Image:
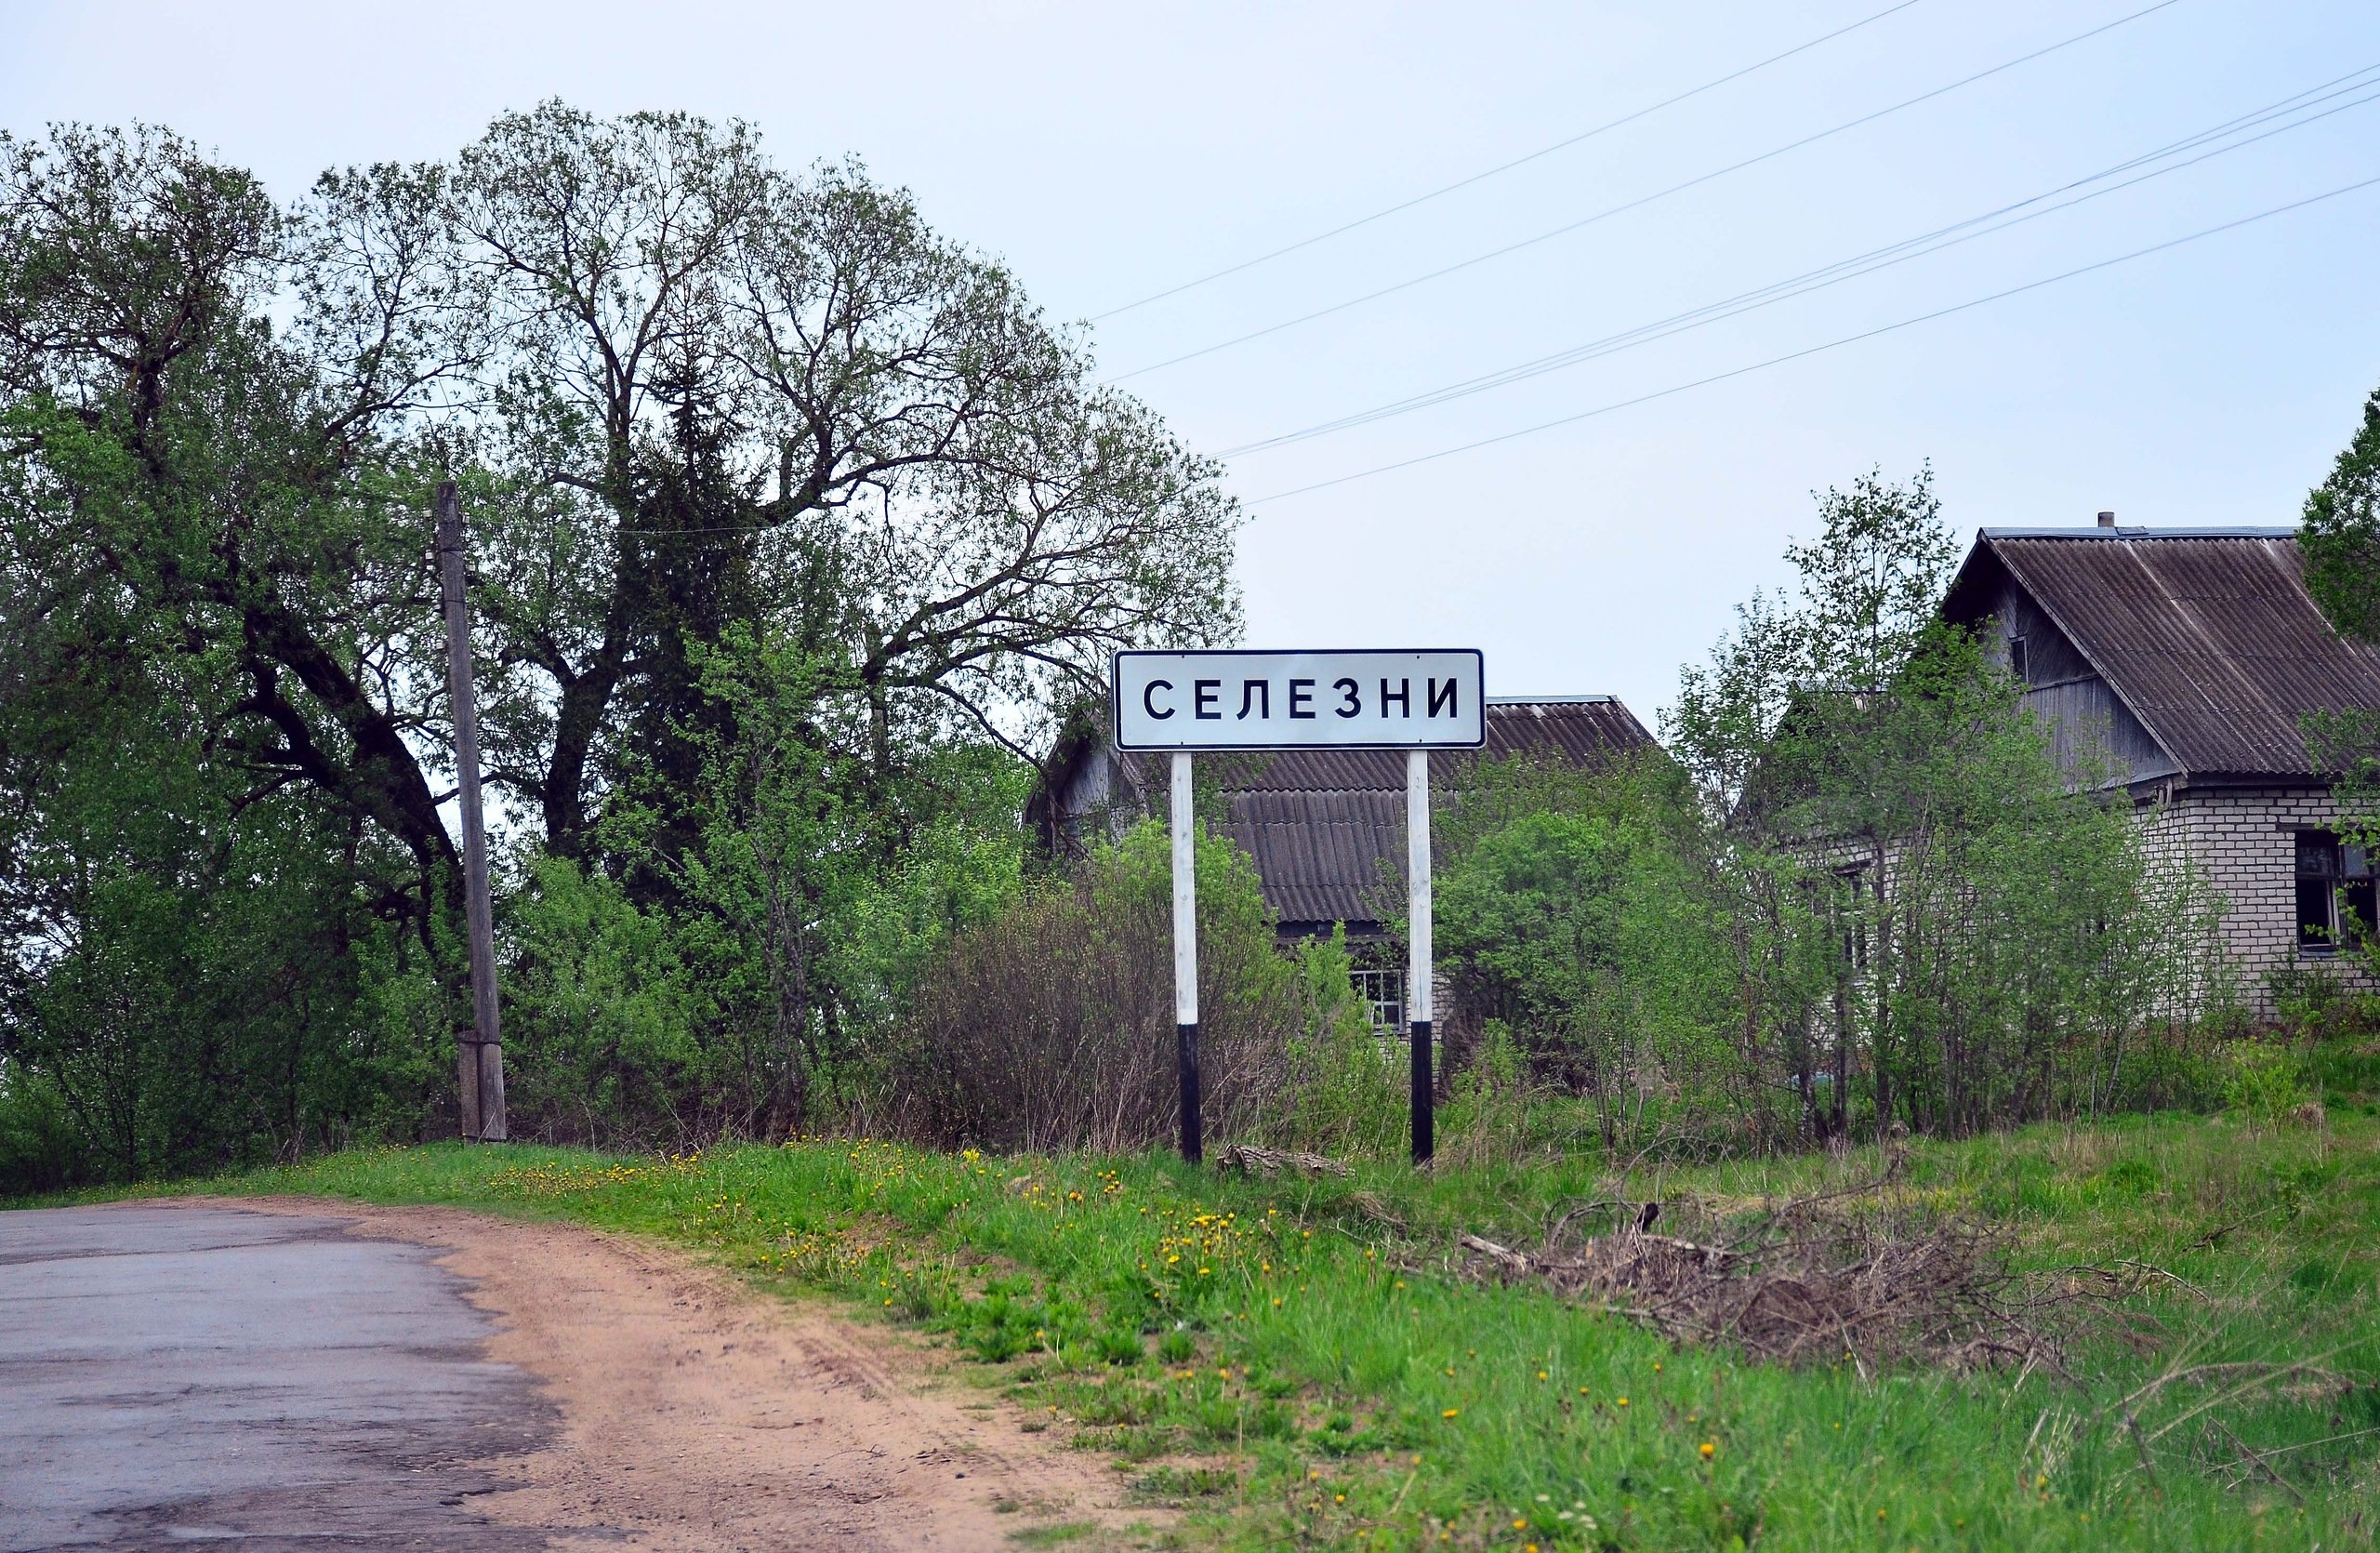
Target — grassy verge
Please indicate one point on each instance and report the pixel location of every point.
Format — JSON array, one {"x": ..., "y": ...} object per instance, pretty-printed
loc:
[{"x": 1298, "y": 1362}]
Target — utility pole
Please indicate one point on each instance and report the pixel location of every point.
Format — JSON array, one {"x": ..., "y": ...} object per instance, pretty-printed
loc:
[{"x": 480, "y": 1053}]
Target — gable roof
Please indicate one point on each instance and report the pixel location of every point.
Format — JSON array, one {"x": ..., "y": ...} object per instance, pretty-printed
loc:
[{"x": 2207, "y": 635}]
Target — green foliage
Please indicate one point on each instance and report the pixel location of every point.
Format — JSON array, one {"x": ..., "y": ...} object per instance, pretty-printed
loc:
[
  {"x": 1575, "y": 918},
  {"x": 604, "y": 1035},
  {"x": 763, "y": 944},
  {"x": 1343, "y": 1090},
  {"x": 759, "y": 631},
  {"x": 2340, "y": 540},
  {"x": 1866, "y": 894},
  {"x": 1310, "y": 1413},
  {"x": 2340, "y": 535},
  {"x": 2262, "y": 1081}
]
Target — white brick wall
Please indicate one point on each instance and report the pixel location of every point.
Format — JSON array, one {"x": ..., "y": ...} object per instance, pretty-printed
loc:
[{"x": 2237, "y": 838}]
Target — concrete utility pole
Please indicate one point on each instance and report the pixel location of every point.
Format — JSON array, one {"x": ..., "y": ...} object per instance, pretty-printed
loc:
[{"x": 480, "y": 1053}]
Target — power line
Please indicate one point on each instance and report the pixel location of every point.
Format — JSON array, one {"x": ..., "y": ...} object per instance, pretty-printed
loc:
[
  {"x": 1640, "y": 202},
  {"x": 1815, "y": 350},
  {"x": 1991, "y": 221},
  {"x": 1500, "y": 168}
]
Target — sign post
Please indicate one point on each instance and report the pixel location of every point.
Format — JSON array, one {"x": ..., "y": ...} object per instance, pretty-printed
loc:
[
  {"x": 1185, "y": 957},
  {"x": 1417, "y": 894},
  {"x": 1181, "y": 702}
]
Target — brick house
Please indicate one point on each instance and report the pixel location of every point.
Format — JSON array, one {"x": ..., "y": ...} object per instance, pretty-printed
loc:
[{"x": 2177, "y": 663}]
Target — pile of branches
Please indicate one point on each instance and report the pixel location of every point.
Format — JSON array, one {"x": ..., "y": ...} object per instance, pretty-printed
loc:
[{"x": 1851, "y": 1276}]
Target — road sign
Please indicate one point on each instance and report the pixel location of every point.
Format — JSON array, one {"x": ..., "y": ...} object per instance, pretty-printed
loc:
[
  {"x": 1299, "y": 701},
  {"x": 1182, "y": 702}
]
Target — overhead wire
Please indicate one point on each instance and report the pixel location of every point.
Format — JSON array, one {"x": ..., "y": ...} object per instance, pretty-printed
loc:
[
  {"x": 1815, "y": 350},
  {"x": 1639, "y": 202},
  {"x": 2365, "y": 81},
  {"x": 1501, "y": 167}
]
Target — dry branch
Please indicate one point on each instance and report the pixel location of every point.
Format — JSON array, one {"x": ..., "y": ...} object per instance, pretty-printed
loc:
[
  {"x": 1250, "y": 1161},
  {"x": 1844, "y": 1276}
]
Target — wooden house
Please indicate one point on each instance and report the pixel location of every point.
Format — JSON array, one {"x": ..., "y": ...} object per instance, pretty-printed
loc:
[{"x": 1326, "y": 828}]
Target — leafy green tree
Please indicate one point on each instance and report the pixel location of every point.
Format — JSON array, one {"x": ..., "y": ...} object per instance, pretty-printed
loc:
[
  {"x": 694, "y": 401},
  {"x": 1574, "y": 917},
  {"x": 1933, "y": 923},
  {"x": 2340, "y": 540},
  {"x": 718, "y": 392},
  {"x": 2340, "y": 535}
]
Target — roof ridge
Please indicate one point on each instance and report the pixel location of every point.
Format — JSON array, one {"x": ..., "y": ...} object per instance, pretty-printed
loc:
[{"x": 2206, "y": 531}]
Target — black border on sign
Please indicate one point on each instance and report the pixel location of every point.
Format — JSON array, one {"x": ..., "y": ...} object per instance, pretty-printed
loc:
[{"x": 1115, "y": 698}]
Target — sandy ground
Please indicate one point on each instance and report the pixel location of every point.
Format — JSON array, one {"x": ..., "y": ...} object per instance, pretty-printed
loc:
[{"x": 698, "y": 1414}]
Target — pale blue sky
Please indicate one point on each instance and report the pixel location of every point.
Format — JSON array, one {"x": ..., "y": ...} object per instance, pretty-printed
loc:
[{"x": 1109, "y": 151}]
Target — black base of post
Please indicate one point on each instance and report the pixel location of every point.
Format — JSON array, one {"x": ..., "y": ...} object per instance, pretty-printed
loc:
[
  {"x": 1193, "y": 1138},
  {"x": 1425, "y": 1126}
]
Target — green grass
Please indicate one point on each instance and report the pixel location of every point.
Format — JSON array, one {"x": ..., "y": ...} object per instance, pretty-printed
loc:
[{"x": 1297, "y": 1364}]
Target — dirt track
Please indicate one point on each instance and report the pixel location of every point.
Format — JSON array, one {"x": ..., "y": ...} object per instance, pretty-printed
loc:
[
  {"x": 699, "y": 1415},
  {"x": 695, "y": 1414}
]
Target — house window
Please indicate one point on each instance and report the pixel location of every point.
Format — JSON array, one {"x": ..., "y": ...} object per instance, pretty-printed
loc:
[
  {"x": 2017, "y": 664},
  {"x": 2334, "y": 891},
  {"x": 1384, "y": 993}
]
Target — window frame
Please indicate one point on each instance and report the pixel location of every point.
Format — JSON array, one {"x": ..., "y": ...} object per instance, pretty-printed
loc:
[{"x": 2339, "y": 875}]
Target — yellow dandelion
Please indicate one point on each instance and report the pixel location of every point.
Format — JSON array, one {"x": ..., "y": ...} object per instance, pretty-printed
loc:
[
  {"x": 1450, "y": 1412},
  {"x": 1708, "y": 1450}
]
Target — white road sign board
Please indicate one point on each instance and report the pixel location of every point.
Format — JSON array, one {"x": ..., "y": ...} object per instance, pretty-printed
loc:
[{"x": 1229, "y": 699}]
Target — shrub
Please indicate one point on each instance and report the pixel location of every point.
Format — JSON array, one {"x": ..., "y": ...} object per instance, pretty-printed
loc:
[
  {"x": 2263, "y": 1081},
  {"x": 1051, "y": 1026},
  {"x": 1344, "y": 1086}
]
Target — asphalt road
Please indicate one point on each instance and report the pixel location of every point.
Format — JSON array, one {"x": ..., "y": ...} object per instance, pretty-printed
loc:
[{"x": 172, "y": 1375}]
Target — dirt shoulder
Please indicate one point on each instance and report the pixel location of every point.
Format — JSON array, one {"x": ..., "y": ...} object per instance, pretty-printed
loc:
[{"x": 700, "y": 1415}]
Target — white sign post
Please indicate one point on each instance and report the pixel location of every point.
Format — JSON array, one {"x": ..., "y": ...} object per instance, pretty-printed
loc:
[{"x": 1180, "y": 702}]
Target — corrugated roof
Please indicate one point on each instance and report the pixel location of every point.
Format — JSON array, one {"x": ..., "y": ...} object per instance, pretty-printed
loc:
[
  {"x": 1327, "y": 827},
  {"x": 1578, "y": 730},
  {"x": 2209, "y": 637},
  {"x": 1320, "y": 853}
]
